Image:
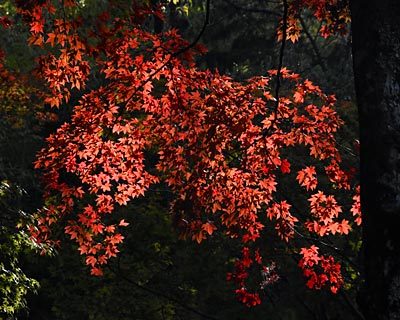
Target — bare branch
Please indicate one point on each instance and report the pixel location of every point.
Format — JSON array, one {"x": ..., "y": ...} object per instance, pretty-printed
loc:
[
  {"x": 280, "y": 64},
  {"x": 203, "y": 29},
  {"x": 255, "y": 10},
  {"x": 281, "y": 54},
  {"x": 317, "y": 53},
  {"x": 160, "y": 294},
  {"x": 352, "y": 306}
]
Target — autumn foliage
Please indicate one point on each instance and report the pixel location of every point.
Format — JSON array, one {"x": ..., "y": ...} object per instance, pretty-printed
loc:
[
  {"x": 332, "y": 15},
  {"x": 223, "y": 147}
]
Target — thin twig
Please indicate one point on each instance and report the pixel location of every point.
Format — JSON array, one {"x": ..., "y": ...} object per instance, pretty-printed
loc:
[
  {"x": 281, "y": 54},
  {"x": 161, "y": 294},
  {"x": 203, "y": 29},
  {"x": 177, "y": 53},
  {"x": 280, "y": 64},
  {"x": 352, "y": 306},
  {"x": 307, "y": 307},
  {"x": 331, "y": 246},
  {"x": 313, "y": 44},
  {"x": 255, "y": 10}
]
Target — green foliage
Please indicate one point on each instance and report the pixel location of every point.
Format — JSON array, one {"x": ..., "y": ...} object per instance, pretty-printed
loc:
[
  {"x": 18, "y": 142},
  {"x": 14, "y": 283},
  {"x": 7, "y": 7}
]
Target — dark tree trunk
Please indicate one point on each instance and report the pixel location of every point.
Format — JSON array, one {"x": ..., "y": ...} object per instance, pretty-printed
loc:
[{"x": 376, "y": 58}]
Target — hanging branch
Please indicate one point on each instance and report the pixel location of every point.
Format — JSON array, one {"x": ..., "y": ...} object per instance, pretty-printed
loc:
[
  {"x": 255, "y": 10},
  {"x": 357, "y": 313},
  {"x": 281, "y": 54},
  {"x": 160, "y": 294},
  {"x": 317, "y": 53},
  {"x": 280, "y": 64},
  {"x": 203, "y": 29},
  {"x": 177, "y": 53}
]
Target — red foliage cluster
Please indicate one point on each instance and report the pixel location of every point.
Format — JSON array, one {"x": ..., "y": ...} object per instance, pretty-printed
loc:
[
  {"x": 325, "y": 209},
  {"x": 356, "y": 208},
  {"x": 241, "y": 274},
  {"x": 222, "y": 146},
  {"x": 333, "y": 16},
  {"x": 65, "y": 68},
  {"x": 328, "y": 272}
]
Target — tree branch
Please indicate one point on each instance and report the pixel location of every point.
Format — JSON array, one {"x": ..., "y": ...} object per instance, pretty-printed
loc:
[
  {"x": 280, "y": 64},
  {"x": 255, "y": 10},
  {"x": 352, "y": 306},
  {"x": 281, "y": 54},
  {"x": 160, "y": 294},
  {"x": 177, "y": 53},
  {"x": 313, "y": 44},
  {"x": 203, "y": 29},
  {"x": 328, "y": 245}
]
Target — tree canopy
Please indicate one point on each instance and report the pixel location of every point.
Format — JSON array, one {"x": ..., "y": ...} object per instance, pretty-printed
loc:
[{"x": 130, "y": 119}]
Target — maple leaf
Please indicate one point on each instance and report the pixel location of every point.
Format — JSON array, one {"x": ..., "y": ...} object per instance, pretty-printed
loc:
[
  {"x": 285, "y": 166},
  {"x": 51, "y": 37},
  {"x": 96, "y": 271},
  {"x": 209, "y": 228},
  {"x": 91, "y": 260},
  {"x": 116, "y": 238},
  {"x": 97, "y": 228},
  {"x": 37, "y": 27},
  {"x": 298, "y": 97},
  {"x": 307, "y": 178},
  {"x": 122, "y": 223}
]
